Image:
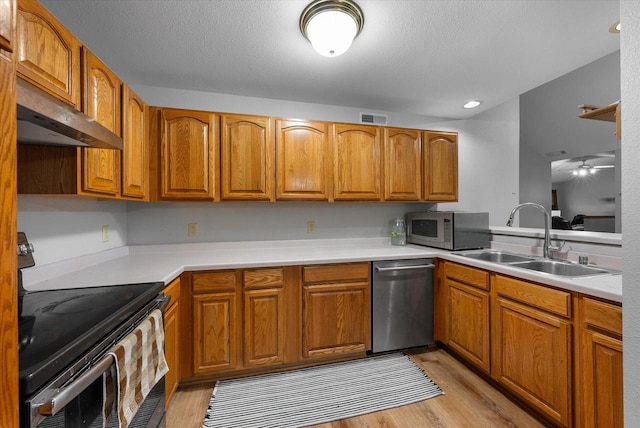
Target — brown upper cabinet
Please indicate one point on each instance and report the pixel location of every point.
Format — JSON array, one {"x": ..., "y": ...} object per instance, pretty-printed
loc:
[
  {"x": 440, "y": 166},
  {"x": 357, "y": 162},
  {"x": 101, "y": 100},
  {"x": 7, "y": 13},
  {"x": 135, "y": 146},
  {"x": 48, "y": 54},
  {"x": 303, "y": 160},
  {"x": 188, "y": 155},
  {"x": 402, "y": 164},
  {"x": 247, "y": 153}
]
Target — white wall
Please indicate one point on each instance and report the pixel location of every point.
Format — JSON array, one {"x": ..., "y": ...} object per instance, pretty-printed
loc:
[
  {"x": 550, "y": 123},
  {"x": 488, "y": 150},
  {"x": 630, "y": 64},
  {"x": 63, "y": 227},
  {"x": 535, "y": 185},
  {"x": 161, "y": 223},
  {"x": 593, "y": 195}
]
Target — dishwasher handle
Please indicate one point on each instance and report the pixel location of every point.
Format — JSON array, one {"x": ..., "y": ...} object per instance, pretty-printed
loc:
[{"x": 396, "y": 268}]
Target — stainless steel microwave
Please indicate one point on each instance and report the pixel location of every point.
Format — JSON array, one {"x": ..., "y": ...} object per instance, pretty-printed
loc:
[{"x": 450, "y": 230}]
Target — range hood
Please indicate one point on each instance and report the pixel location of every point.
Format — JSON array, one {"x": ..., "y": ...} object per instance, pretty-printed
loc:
[{"x": 44, "y": 119}]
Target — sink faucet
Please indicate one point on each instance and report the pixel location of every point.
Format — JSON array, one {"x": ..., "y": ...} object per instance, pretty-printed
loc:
[{"x": 547, "y": 248}]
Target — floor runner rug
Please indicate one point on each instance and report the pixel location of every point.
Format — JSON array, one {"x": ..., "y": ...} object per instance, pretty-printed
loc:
[{"x": 317, "y": 395}]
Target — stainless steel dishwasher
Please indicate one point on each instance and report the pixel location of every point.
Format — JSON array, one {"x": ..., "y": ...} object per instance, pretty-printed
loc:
[{"x": 402, "y": 304}]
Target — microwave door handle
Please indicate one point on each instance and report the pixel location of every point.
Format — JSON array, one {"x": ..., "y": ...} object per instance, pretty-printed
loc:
[{"x": 65, "y": 395}]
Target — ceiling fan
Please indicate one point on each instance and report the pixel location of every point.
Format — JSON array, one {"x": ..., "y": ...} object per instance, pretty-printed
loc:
[{"x": 584, "y": 169}]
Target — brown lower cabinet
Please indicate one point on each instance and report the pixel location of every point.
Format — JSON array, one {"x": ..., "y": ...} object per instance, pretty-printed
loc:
[
  {"x": 244, "y": 321},
  {"x": 336, "y": 310},
  {"x": 172, "y": 339},
  {"x": 559, "y": 352},
  {"x": 531, "y": 342},
  {"x": 600, "y": 398},
  {"x": 467, "y": 305}
]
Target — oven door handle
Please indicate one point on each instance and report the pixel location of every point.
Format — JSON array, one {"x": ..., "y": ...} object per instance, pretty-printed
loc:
[{"x": 65, "y": 395}]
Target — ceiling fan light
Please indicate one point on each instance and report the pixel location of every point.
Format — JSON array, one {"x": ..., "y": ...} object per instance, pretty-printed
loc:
[{"x": 331, "y": 25}]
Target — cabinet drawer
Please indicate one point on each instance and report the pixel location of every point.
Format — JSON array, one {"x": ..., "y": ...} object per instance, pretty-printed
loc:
[
  {"x": 173, "y": 290},
  {"x": 213, "y": 281},
  {"x": 336, "y": 273},
  {"x": 603, "y": 315},
  {"x": 468, "y": 275},
  {"x": 548, "y": 299},
  {"x": 262, "y": 278}
]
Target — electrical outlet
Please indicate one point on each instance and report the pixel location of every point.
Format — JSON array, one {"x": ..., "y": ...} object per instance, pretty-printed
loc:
[
  {"x": 192, "y": 230},
  {"x": 105, "y": 233},
  {"x": 311, "y": 227}
]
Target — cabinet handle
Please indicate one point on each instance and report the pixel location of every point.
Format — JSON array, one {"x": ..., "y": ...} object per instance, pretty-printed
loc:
[{"x": 381, "y": 269}]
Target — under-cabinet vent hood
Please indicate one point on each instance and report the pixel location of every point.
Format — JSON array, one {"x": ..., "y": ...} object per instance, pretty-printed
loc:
[{"x": 43, "y": 119}]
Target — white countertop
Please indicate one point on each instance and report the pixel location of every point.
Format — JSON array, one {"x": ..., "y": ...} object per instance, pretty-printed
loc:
[{"x": 152, "y": 263}]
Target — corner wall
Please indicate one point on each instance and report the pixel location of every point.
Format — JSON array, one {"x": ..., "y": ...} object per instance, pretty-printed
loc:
[{"x": 630, "y": 64}]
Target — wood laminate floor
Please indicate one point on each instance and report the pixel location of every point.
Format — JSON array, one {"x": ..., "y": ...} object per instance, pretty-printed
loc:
[{"x": 469, "y": 401}]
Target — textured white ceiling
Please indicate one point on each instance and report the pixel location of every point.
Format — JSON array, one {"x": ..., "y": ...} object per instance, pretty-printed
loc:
[{"x": 419, "y": 57}]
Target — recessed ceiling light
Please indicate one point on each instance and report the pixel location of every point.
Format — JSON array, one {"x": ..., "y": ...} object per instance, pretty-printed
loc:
[
  {"x": 615, "y": 28},
  {"x": 472, "y": 104}
]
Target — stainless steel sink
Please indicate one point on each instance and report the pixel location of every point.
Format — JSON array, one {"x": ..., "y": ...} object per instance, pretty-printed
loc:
[
  {"x": 551, "y": 267},
  {"x": 497, "y": 256},
  {"x": 562, "y": 268}
]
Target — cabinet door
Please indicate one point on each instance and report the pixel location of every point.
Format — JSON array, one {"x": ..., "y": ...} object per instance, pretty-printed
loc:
[
  {"x": 468, "y": 323},
  {"x": 9, "y": 396},
  {"x": 532, "y": 357},
  {"x": 264, "y": 317},
  {"x": 135, "y": 151},
  {"x": 7, "y": 14},
  {"x": 247, "y": 157},
  {"x": 602, "y": 377},
  {"x": 188, "y": 155},
  {"x": 440, "y": 166},
  {"x": 357, "y": 162},
  {"x": 215, "y": 332},
  {"x": 102, "y": 100},
  {"x": 303, "y": 160},
  {"x": 172, "y": 340},
  {"x": 402, "y": 164},
  {"x": 264, "y": 329},
  {"x": 336, "y": 319},
  {"x": 48, "y": 55},
  {"x": 171, "y": 349}
]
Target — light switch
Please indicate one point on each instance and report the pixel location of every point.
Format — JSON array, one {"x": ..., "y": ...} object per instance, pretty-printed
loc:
[{"x": 192, "y": 230}]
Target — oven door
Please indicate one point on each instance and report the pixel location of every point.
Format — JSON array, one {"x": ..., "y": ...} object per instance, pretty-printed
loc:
[
  {"x": 85, "y": 410},
  {"x": 75, "y": 397}
]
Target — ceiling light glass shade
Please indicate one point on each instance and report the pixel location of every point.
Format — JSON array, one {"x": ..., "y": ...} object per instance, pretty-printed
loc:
[{"x": 331, "y": 25}]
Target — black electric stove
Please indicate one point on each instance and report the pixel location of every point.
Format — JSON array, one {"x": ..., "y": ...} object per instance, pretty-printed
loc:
[{"x": 58, "y": 327}]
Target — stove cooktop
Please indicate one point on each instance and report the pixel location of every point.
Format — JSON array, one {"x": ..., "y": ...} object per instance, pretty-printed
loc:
[{"x": 58, "y": 327}]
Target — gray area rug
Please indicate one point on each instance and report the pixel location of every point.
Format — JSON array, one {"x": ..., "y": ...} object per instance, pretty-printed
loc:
[{"x": 321, "y": 394}]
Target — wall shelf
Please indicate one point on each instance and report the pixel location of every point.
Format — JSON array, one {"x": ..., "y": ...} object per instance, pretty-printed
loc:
[{"x": 610, "y": 113}]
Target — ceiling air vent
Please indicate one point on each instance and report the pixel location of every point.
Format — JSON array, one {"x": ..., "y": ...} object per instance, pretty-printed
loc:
[{"x": 374, "y": 119}]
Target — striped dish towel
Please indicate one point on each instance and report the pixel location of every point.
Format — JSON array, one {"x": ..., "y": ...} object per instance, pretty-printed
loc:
[{"x": 140, "y": 364}]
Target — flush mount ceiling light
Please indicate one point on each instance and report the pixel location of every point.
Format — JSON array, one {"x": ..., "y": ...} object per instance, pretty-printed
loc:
[
  {"x": 472, "y": 104},
  {"x": 331, "y": 25}
]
